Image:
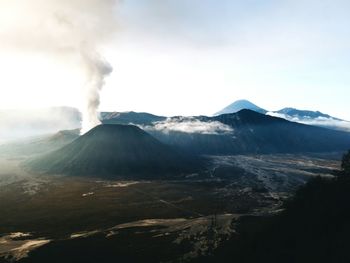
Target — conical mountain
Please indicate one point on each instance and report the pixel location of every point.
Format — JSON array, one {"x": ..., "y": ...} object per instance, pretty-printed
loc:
[
  {"x": 241, "y": 105},
  {"x": 114, "y": 151}
]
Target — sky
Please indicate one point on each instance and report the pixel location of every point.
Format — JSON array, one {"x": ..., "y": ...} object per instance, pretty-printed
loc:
[{"x": 178, "y": 57}]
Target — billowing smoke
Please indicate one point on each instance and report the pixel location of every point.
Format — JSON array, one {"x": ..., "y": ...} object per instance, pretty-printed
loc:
[
  {"x": 73, "y": 30},
  {"x": 97, "y": 68}
]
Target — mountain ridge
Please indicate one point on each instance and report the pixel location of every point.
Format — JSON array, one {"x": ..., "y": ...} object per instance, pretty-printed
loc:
[
  {"x": 255, "y": 133},
  {"x": 314, "y": 118}
]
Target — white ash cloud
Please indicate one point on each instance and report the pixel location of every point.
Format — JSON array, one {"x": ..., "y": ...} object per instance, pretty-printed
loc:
[
  {"x": 96, "y": 69},
  {"x": 72, "y": 30},
  {"x": 190, "y": 125}
]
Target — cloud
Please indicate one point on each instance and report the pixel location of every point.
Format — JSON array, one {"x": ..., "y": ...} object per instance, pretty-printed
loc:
[
  {"x": 319, "y": 121},
  {"x": 17, "y": 124},
  {"x": 189, "y": 125},
  {"x": 55, "y": 25}
]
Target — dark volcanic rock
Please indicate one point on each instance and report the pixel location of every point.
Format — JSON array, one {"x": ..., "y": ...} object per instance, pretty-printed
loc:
[
  {"x": 253, "y": 132},
  {"x": 114, "y": 151}
]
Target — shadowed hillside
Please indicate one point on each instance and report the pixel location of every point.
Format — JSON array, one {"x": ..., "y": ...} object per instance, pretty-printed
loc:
[
  {"x": 253, "y": 132},
  {"x": 313, "y": 227},
  {"x": 245, "y": 132},
  {"x": 114, "y": 150}
]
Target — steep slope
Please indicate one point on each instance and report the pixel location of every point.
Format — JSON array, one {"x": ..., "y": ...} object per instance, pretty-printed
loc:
[
  {"x": 241, "y": 105},
  {"x": 313, "y": 227},
  {"x": 111, "y": 151},
  {"x": 270, "y": 134},
  {"x": 257, "y": 133}
]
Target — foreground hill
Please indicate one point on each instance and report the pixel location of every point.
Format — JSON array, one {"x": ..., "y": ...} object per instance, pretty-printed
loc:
[
  {"x": 112, "y": 151},
  {"x": 313, "y": 227}
]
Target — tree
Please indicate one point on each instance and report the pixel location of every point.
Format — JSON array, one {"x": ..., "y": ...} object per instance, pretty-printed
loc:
[{"x": 345, "y": 165}]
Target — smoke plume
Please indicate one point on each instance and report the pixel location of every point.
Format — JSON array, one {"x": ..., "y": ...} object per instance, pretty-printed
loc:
[
  {"x": 97, "y": 68},
  {"x": 73, "y": 30}
]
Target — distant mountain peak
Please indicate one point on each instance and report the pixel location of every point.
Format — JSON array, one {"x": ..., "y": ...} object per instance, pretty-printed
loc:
[
  {"x": 305, "y": 113},
  {"x": 241, "y": 105},
  {"x": 315, "y": 118}
]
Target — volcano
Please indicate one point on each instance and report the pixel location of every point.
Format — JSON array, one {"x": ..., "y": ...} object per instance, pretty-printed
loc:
[
  {"x": 241, "y": 105},
  {"x": 114, "y": 151}
]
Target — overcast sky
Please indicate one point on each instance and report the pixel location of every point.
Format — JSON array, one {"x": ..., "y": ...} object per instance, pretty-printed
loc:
[{"x": 181, "y": 57}]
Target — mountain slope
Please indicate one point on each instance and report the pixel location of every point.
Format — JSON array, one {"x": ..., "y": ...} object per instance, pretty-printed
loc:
[
  {"x": 305, "y": 113},
  {"x": 240, "y": 105},
  {"x": 111, "y": 151},
  {"x": 39, "y": 144},
  {"x": 314, "y": 118},
  {"x": 253, "y": 132}
]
